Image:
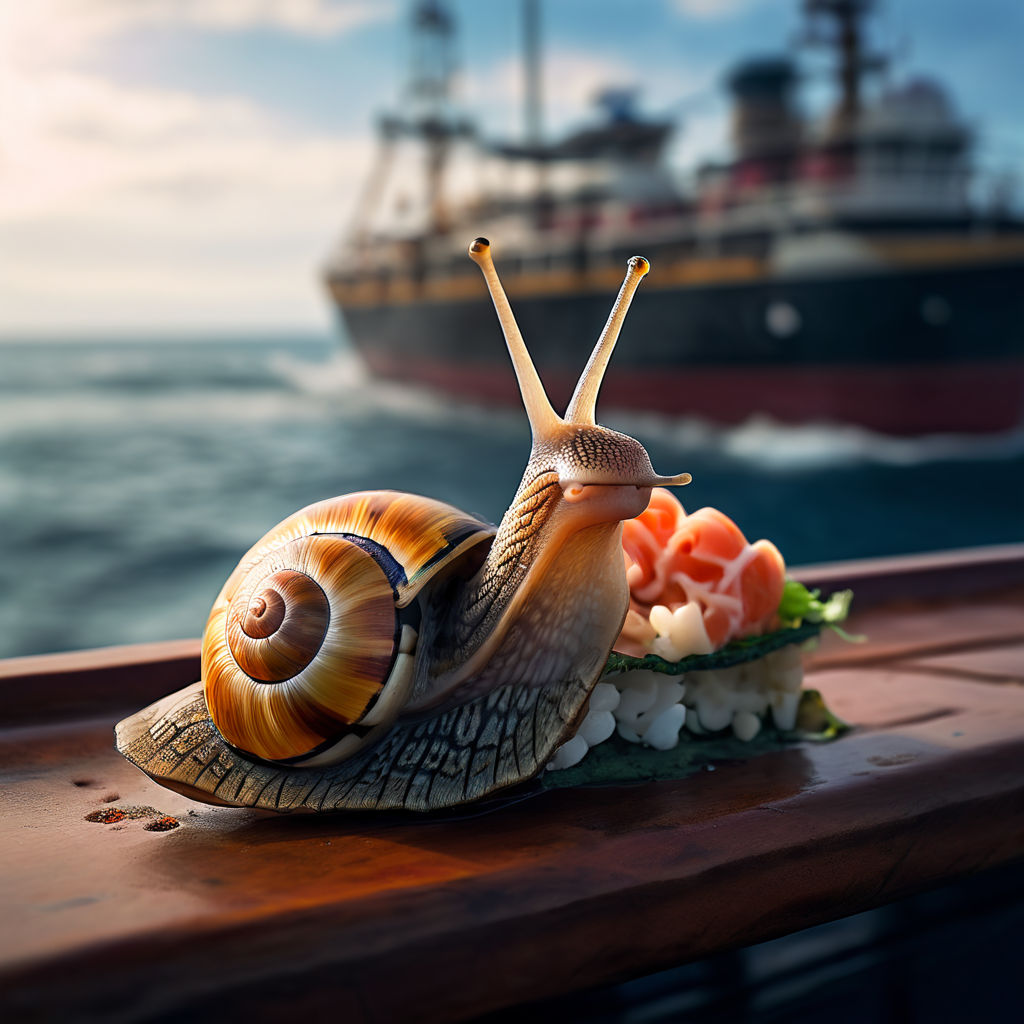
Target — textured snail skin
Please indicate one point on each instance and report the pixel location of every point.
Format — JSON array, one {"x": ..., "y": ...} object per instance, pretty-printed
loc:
[
  {"x": 515, "y": 626},
  {"x": 441, "y": 761}
]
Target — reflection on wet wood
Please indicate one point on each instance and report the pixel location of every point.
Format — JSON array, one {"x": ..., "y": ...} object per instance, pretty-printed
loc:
[{"x": 377, "y": 918}]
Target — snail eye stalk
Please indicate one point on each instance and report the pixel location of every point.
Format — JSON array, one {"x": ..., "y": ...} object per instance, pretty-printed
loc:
[
  {"x": 583, "y": 405},
  {"x": 544, "y": 421}
]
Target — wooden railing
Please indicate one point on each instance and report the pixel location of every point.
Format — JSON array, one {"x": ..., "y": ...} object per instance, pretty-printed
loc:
[{"x": 238, "y": 913}]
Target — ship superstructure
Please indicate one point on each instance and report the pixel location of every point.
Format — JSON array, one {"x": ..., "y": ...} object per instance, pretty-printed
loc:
[{"x": 836, "y": 268}]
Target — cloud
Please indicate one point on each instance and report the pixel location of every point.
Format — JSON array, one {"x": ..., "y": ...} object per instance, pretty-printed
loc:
[
  {"x": 304, "y": 17},
  {"x": 174, "y": 210},
  {"x": 142, "y": 206},
  {"x": 712, "y": 10},
  {"x": 46, "y": 32},
  {"x": 154, "y": 206},
  {"x": 572, "y": 80}
]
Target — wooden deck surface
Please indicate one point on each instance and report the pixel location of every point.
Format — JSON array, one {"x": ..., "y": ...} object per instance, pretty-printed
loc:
[{"x": 239, "y": 912}]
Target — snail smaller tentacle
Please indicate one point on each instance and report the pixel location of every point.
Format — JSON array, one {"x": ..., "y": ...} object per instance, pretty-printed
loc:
[{"x": 582, "y": 408}]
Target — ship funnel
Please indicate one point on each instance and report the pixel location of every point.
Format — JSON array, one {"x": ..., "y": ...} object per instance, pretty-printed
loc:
[
  {"x": 544, "y": 421},
  {"x": 583, "y": 405}
]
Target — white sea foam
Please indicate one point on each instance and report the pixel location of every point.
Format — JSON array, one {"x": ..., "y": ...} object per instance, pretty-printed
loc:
[
  {"x": 43, "y": 414},
  {"x": 323, "y": 392},
  {"x": 344, "y": 377},
  {"x": 774, "y": 445},
  {"x": 315, "y": 380},
  {"x": 341, "y": 373}
]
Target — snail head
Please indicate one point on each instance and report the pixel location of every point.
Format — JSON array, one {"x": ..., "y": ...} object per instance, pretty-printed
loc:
[{"x": 604, "y": 474}]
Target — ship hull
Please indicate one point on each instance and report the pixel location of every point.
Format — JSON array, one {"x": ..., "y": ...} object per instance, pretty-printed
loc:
[{"x": 905, "y": 353}]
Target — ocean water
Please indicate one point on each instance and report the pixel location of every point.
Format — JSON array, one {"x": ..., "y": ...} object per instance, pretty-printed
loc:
[{"x": 134, "y": 474}]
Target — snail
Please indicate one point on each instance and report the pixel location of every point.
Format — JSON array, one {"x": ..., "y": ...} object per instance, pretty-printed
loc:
[{"x": 382, "y": 650}]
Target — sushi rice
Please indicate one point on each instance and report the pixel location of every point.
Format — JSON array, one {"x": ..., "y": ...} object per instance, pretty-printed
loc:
[{"x": 660, "y": 710}]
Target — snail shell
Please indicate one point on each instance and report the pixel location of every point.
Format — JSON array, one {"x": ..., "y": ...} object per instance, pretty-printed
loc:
[{"x": 311, "y": 639}]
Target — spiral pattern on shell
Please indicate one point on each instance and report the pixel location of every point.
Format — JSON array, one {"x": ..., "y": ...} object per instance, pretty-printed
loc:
[
  {"x": 304, "y": 645},
  {"x": 302, "y": 638},
  {"x": 275, "y": 631}
]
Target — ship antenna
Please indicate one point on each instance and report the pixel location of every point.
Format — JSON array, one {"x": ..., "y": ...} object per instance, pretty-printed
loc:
[
  {"x": 583, "y": 405},
  {"x": 543, "y": 419}
]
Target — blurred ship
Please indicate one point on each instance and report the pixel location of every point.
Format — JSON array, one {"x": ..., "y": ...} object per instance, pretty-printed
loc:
[{"x": 834, "y": 269}]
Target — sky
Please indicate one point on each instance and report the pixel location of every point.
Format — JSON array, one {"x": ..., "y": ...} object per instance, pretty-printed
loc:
[{"x": 185, "y": 166}]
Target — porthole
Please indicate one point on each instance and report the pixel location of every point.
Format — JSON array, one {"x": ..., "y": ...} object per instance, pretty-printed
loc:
[{"x": 782, "y": 319}]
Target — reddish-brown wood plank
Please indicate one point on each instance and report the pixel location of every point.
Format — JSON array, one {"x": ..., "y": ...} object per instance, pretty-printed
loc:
[
  {"x": 87, "y": 682},
  {"x": 238, "y": 912},
  {"x": 1003, "y": 664},
  {"x": 574, "y": 888},
  {"x": 918, "y": 628},
  {"x": 930, "y": 575}
]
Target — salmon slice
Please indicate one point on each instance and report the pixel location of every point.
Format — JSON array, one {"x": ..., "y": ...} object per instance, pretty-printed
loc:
[{"x": 673, "y": 558}]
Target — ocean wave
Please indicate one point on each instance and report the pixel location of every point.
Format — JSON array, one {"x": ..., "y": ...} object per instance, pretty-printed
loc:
[
  {"x": 761, "y": 440},
  {"x": 47, "y": 415},
  {"x": 345, "y": 377},
  {"x": 341, "y": 373},
  {"x": 129, "y": 388},
  {"x": 772, "y": 445},
  {"x": 150, "y": 367}
]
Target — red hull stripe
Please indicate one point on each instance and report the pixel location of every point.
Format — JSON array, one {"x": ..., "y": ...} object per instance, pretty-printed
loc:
[{"x": 893, "y": 399}]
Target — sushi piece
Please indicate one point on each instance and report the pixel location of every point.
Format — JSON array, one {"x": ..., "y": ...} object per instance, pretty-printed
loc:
[
  {"x": 712, "y": 639},
  {"x": 695, "y": 582}
]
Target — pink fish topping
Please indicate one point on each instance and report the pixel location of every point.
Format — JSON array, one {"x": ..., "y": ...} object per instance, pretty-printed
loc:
[{"x": 674, "y": 559}]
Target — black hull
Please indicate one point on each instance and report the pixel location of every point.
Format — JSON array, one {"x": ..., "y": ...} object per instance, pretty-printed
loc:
[{"x": 949, "y": 330}]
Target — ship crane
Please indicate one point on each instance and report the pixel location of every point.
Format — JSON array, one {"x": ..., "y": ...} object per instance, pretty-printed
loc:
[{"x": 428, "y": 119}]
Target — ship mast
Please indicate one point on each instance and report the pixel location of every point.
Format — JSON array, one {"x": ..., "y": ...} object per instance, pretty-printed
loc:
[
  {"x": 429, "y": 98},
  {"x": 426, "y": 115},
  {"x": 533, "y": 103},
  {"x": 533, "y": 110},
  {"x": 846, "y": 39}
]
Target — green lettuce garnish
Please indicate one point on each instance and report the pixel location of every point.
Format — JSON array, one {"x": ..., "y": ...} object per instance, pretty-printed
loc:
[{"x": 800, "y": 605}]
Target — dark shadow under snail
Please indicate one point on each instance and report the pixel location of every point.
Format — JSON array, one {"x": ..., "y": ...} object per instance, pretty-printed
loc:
[{"x": 382, "y": 650}]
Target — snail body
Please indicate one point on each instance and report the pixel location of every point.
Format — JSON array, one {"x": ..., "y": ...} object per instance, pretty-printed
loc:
[{"x": 385, "y": 650}]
